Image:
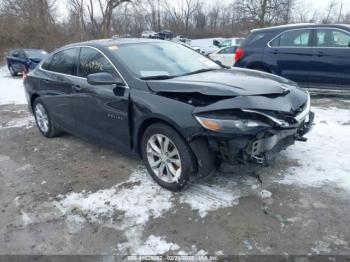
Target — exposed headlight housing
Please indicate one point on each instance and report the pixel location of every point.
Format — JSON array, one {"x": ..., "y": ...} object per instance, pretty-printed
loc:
[{"x": 228, "y": 125}]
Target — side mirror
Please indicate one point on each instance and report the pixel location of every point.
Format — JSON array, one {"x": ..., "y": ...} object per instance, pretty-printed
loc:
[
  {"x": 104, "y": 79},
  {"x": 216, "y": 42}
]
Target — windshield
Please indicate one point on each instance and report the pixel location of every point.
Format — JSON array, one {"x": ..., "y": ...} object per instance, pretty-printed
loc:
[
  {"x": 36, "y": 54},
  {"x": 147, "y": 60}
]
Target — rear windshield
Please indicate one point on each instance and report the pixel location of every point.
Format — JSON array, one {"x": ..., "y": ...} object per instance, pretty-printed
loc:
[
  {"x": 254, "y": 38},
  {"x": 36, "y": 54}
]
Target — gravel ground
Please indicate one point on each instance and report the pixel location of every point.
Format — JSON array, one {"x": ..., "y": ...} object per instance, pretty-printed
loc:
[{"x": 70, "y": 196}]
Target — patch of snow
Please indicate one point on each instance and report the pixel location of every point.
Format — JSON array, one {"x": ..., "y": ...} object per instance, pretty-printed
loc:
[
  {"x": 25, "y": 122},
  {"x": 321, "y": 247},
  {"x": 221, "y": 191},
  {"x": 248, "y": 244},
  {"x": 156, "y": 246},
  {"x": 16, "y": 200},
  {"x": 26, "y": 219},
  {"x": 11, "y": 89},
  {"x": 205, "y": 198},
  {"x": 265, "y": 194},
  {"x": 136, "y": 200},
  {"x": 202, "y": 253},
  {"x": 126, "y": 206},
  {"x": 324, "y": 158}
]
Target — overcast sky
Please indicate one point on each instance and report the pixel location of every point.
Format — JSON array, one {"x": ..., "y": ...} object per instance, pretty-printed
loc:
[
  {"x": 322, "y": 4},
  {"x": 311, "y": 5}
]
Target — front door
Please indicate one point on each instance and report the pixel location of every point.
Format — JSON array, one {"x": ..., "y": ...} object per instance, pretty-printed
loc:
[
  {"x": 331, "y": 57},
  {"x": 102, "y": 111}
]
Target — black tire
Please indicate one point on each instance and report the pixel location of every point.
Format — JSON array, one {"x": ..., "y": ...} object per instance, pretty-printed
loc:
[
  {"x": 52, "y": 130},
  {"x": 12, "y": 71},
  {"x": 187, "y": 158}
]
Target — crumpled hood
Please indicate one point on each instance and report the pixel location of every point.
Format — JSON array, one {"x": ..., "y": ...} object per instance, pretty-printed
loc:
[{"x": 234, "y": 82}]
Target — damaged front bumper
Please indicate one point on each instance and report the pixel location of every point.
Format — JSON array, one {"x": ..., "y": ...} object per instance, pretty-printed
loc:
[{"x": 263, "y": 147}]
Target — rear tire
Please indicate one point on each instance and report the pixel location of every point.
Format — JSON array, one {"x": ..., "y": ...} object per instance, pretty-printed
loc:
[
  {"x": 167, "y": 156},
  {"x": 43, "y": 120},
  {"x": 12, "y": 71}
]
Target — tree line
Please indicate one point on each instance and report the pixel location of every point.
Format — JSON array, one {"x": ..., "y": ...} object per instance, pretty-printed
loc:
[{"x": 38, "y": 24}]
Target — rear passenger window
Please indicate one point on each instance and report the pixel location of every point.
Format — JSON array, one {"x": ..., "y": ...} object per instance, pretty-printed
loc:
[
  {"x": 64, "y": 62},
  {"x": 293, "y": 38},
  {"x": 92, "y": 61},
  {"x": 332, "y": 38}
]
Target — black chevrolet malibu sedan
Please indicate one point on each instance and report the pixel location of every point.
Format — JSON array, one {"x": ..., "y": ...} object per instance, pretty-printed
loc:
[{"x": 178, "y": 110}]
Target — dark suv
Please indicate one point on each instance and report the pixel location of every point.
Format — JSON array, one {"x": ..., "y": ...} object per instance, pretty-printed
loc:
[{"x": 313, "y": 55}]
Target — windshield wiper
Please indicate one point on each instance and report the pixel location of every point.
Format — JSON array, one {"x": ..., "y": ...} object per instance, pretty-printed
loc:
[
  {"x": 159, "y": 77},
  {"x": 199, "y": 71}
]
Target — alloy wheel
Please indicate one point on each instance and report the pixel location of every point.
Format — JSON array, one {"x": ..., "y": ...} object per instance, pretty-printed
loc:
[
  {"x": 42, "y": 118},
  {"x": 164, "y": 158}
]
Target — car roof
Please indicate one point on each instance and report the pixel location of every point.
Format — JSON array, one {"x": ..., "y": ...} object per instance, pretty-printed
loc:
[
  {"x": 101, "y": 43},
  {"x": 300, "y": 25},
  {"x": 26, "y": 49}
]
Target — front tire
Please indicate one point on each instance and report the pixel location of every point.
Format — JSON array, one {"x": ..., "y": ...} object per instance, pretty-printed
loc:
[
  {"x": 43, "y": 120},
  {"x": 167, "y": 157}
]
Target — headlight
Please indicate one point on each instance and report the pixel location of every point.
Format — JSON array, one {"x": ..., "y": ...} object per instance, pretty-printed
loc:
[{"x": 228, "y": 126}]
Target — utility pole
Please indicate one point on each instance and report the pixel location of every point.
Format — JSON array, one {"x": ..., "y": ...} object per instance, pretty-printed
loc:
[
  {"x": 340, "y": 11},
  {"x": 159, "y": 25}
]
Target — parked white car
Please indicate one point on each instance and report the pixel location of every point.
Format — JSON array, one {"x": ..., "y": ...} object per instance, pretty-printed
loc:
[
  {"x": 206, "y": 45},
  {"x": 148, "y": 34},
  {"x": 231, "y": 42},
  {"x": 225, "y": 56}
]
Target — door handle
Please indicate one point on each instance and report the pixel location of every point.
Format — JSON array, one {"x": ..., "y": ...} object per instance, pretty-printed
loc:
[
  {"x": 46, "y": 81},
  {"x": 275, "y": 52},
  {"x": 320, "y": 53},
  {"x": 77, "y": 88}
]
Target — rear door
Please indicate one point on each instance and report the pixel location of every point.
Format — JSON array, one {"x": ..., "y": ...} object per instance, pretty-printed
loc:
[
  {"x": 292, "y": 54},
  {"x": 102, "y": 111},
  {"x": 331, "y": 57},
  {"x": 58, "y": 78}
]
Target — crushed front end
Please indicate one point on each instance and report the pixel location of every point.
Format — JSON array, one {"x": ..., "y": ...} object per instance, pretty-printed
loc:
[{"x": 249, "y": 134}]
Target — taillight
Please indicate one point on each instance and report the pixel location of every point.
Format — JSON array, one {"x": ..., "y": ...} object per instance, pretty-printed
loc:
[
  {"x": 239, "y": 53},
  {"x": 24, "y": 75}
]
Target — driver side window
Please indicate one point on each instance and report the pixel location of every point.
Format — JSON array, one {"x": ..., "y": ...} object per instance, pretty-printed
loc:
[{"x": 92, "y": 61}]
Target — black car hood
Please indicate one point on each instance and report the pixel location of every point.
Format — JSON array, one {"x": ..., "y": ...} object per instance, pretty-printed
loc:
[
  {"x": 235, "y": 82},
  {"x": 239, "y": 88}
]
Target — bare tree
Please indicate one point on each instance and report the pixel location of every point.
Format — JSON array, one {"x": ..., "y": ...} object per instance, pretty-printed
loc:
[
  {"x": 101, "y": 20},
  {"x": 266, "y": 12},
  {"x": 330, "y": 12}
]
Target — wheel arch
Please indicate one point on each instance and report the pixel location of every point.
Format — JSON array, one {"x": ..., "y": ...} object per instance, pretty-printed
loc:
[
  {"x": 32, "y": 99},
  {"x": 148, "y": 122},
  {"x": 205, "y": 161}
]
